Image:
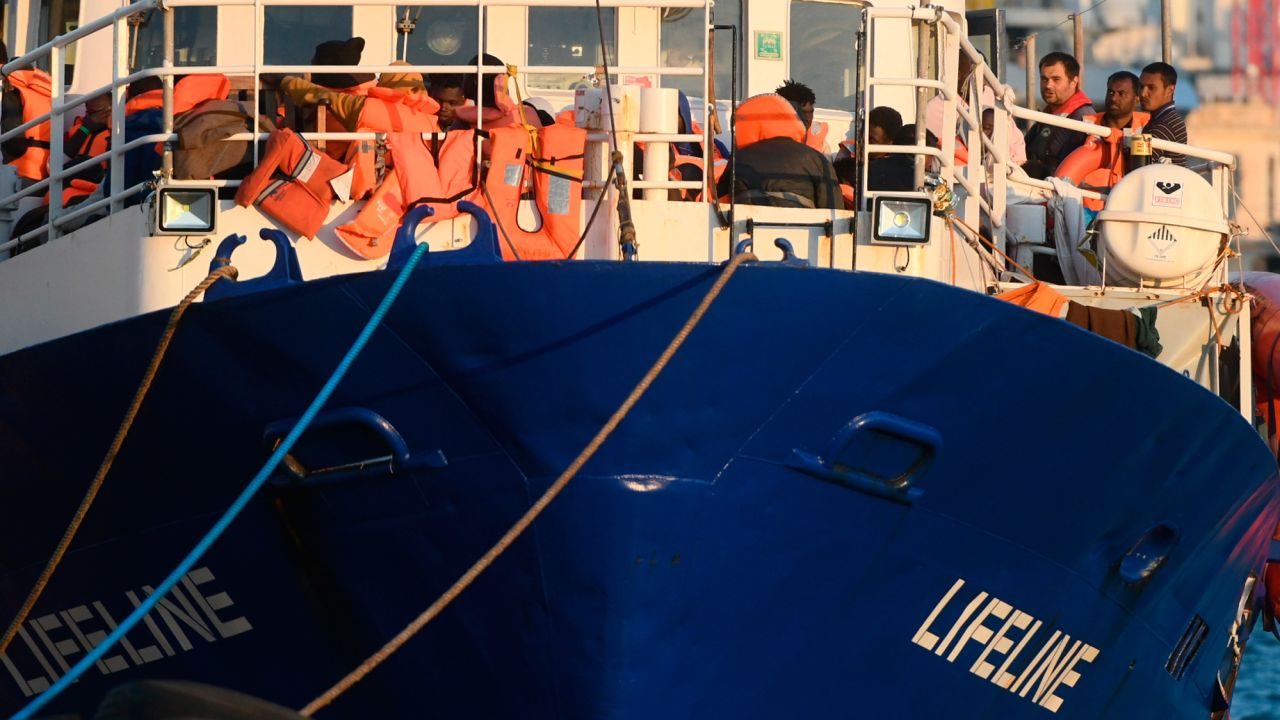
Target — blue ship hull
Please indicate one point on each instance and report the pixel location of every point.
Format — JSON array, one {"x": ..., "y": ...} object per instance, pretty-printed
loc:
[{"x": 848, "y": 495}]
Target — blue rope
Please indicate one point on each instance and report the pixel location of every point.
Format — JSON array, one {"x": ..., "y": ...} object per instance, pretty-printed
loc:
[{"x": 241, "y": 501}]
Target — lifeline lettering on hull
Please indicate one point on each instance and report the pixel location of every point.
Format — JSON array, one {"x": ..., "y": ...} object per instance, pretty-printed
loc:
[
  {"x": 50, "y": 643},
  {"x": 1053, "y": 664}
]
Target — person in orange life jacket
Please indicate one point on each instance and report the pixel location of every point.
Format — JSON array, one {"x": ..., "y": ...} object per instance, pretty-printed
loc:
[
  {"x": 497, "y": 108},
  {"x": 144, "y": 115},
  {"x": 774, "y": 165},
  {"x": 334, "y": 52},
  {"x": 399, "y": 103},
  {"x": 686, "y": 157},
  {"x": 1119, "y": 111},
  {"x": 446, "y": 90},
  {"x": 893, "y": 171},
  {"x": 800, "y": 95},
  {"x": 396, "y": 97},
  {"x": 803, "y": 97},
  {"x": 686, "y": 124},
  {"x": 1121, "y": 100},
  {"x": 26, "y": 95},
  {"x": 90, "y": 136},
  {"x": 1047, "y": 145},
  {"x": 1159, "y": 80},
  {"x": 883, "y": 125}
]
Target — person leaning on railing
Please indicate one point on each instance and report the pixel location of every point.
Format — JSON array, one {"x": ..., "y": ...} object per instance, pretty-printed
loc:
[
  {"x": 402, "y": 94},
  {"x": 1049, "y": 145},
  {"x": 1159, "y": 80}
]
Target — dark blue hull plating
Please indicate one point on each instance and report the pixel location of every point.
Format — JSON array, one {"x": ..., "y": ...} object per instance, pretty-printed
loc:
[{"x": 775, "y": 531}]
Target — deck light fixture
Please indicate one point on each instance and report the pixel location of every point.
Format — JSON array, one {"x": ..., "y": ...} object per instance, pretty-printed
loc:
[
  {"x": 901, "y": 221},
  {"x": 186, "y": 210}
]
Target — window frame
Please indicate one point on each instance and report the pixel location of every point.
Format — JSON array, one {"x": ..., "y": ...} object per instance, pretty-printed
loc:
[
  {"x": 530, "y": 79},
  {"x": 826, "y": 110}
]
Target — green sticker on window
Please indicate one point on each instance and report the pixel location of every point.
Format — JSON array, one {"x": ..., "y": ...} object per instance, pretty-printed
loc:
[{"x": 768, "y": 46}]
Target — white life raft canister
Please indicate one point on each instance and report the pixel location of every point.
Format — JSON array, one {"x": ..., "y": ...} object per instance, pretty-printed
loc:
[{"x": 1163, "y": 226}]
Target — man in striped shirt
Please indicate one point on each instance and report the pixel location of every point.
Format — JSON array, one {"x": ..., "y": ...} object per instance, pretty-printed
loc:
[{"x": 1158, "y": 83}]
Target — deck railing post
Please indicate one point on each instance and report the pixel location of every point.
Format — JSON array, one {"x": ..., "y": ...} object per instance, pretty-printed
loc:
[
  {"x": 924, "y": 39},
  {"x": 1032, "y": 75},
  {"x": 167, "y": 165},
  {"x": 56, "y": 155},
  {"x": 119, "y": 70}
]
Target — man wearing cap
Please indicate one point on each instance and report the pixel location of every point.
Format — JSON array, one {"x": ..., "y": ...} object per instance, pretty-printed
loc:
[
  {"x": 349, "y": 109},
  {"x": 341, "y": 52}
]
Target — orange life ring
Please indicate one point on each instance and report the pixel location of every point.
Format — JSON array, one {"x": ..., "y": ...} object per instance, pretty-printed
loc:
[{"x": 1092, "y": 166}]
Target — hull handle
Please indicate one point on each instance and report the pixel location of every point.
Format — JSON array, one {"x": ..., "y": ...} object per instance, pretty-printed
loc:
[
  {"x": 1148, "y": 554},
  {"x": 345, "y": 444},
  {"x": 877, "y": 453}
]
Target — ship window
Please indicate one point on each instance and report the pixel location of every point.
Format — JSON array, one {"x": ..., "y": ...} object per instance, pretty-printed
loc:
[
  {"x": 55, "y": 18},
  {"x": 195, "y": 38},
  {"x": 292, "y": 33},
  {"x": 441, "y": 36},
  {"x": 569, "y": 36},
  {"x": 682, "y": 44},
  {"x": 823, "y": 50}
]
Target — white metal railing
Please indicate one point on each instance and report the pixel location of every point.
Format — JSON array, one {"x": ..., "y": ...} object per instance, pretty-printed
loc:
[
  {"x": 117, "y": 21},
  {"x": 966, "y": 118}
]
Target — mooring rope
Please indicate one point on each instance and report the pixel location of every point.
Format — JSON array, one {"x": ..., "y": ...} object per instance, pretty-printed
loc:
[
  {"x": 238, "y": 506},
  {"x": 121, "y": 433},
  {"x": 536, "y": 509}
]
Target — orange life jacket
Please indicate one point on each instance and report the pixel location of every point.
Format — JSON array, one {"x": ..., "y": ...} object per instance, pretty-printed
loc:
[
  {"x": 442, "y": 179},
  {"x": 816, "y": 138},
  {"x": 1138, "y": 121},
  {"x": 188, "y": 92},
  {"x": 36, "y": 88},
  {"x": 386, "y": 111},
  {"x": 291, "y": 183},
  {"x": 555, "y": 178},
  {"x": 676, "y": 174},
  {"x": 1039, "y": 297},
  {"x": 191, "y": 90},
  {"x": 718, "y": 167},
  {"x": 1099, "y": 162},
  {"x": 74, "y": 188},
  {"x": 767, "y": 116},
  {"x": 148, "y": 100},
  {"x": 846, "y": 194},
  {"x": 82, "y": 143}
]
